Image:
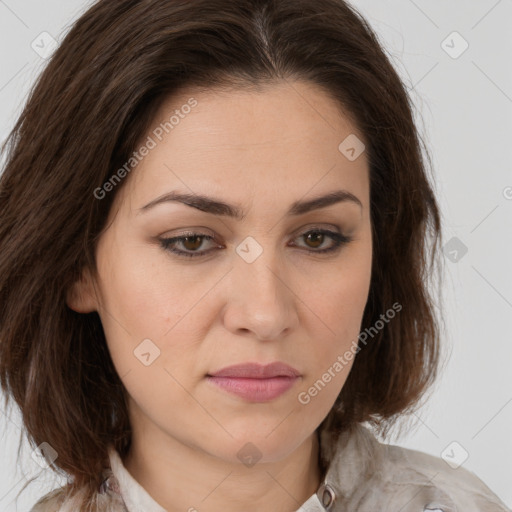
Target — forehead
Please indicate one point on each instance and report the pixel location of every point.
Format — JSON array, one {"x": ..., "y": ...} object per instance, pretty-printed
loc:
[
  {"x": 281, "y": 139},
  {"x": 247, "y": 117}
]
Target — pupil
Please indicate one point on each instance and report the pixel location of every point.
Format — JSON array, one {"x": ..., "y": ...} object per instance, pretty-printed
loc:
[
  {"x": 317, "y": 238},
  {"x": 194, "y": 246}
]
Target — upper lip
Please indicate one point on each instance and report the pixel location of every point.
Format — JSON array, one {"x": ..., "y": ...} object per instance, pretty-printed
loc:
[{"x": 257, "y": 371}]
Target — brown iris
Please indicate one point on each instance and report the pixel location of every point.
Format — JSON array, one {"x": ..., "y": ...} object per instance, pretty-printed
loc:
[
  {"x": 315, "y": 238},
  {"x": 197, "y": 241}
]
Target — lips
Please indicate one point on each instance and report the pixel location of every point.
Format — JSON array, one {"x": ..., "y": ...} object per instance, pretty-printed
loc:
[
  {"x": 255, "y": 382},
  {"x": 257, "y": 371}
]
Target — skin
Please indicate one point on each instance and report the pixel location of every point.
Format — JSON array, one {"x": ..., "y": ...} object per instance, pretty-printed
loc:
[{"x": 261, "y": 151}]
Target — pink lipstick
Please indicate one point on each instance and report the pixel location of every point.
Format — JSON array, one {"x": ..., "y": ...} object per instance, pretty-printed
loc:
[{"x": 255, "y": 382}]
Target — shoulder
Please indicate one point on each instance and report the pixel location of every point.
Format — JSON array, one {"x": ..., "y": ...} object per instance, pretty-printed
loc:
[
  {"x": 367, "y": 474},
  {"x": 51, "y": 502},
  {"x": 59, "y": 500},
  {"x": 434, "y": 480}
]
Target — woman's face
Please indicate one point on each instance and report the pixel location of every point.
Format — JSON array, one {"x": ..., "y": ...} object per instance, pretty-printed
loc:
[{"x": 259, "y": 290}]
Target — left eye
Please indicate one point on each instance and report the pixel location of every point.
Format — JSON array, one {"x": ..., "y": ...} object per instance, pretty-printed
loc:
[{"x": 191, "y": 242}]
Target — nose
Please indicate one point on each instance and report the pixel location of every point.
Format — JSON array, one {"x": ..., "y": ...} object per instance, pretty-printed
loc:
[{"x": 260, "y": 299}]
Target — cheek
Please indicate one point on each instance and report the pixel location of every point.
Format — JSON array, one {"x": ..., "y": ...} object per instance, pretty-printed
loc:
[
  {"x": 337, "y": 308},
  {"x": 335, "y": 330},
  {"x": 139, "y": 290},
  {"x": 339, "y": 297},
  {"x": 146, "y": 297}
]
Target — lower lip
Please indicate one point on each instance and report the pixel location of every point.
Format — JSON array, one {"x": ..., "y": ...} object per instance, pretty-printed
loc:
[{"x": 254, "y": 390}]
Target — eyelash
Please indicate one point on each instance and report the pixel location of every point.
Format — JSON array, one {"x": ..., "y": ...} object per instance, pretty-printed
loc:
[{"x": 338, "y": 238}]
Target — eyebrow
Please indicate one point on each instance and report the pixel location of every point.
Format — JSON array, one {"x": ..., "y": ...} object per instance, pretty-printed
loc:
[{"x": 218, "y": 207}]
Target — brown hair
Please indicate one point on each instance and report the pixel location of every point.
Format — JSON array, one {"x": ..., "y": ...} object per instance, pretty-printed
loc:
[{"x": 95, "y": 101}]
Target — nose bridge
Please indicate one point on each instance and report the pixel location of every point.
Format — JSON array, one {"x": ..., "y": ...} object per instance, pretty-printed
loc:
[
  {"x": 261, "y": 301},
  {"x": 257, "y": 271}
]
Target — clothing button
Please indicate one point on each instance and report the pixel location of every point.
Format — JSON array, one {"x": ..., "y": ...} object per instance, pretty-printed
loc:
[
  {"x": 327, "y": 496},
  {"x": 433, "y": 507},
  {"x": 110, "y": 484}
]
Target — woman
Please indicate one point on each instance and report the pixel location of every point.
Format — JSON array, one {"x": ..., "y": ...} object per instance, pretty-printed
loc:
[{"x": 215, "y": 224}]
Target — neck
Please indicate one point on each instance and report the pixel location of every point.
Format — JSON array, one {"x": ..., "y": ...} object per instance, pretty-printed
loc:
[{"x": 181, "y": 477}]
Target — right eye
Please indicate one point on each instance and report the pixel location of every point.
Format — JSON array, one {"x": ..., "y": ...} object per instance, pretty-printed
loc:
[{"x": 191, "y": 243}]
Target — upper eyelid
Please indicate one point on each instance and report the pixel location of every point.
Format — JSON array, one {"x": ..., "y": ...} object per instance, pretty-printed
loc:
[{"x": 312, "y": 227}]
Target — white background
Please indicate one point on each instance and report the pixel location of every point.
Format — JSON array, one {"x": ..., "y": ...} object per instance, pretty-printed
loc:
[{"x": 464, "y": 110}]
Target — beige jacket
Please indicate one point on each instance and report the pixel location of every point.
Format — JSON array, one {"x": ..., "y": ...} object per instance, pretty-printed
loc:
[{"x": 364, "y": 475}]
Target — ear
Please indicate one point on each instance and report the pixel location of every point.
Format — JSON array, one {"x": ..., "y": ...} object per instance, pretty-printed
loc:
[{"x": 81, "y": 296}]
